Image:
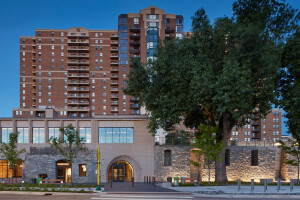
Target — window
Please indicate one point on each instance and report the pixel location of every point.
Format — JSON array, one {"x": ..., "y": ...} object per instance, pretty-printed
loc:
[
  {"x": 116, "y": 135},
  {"x": 124, "y": 68},
  {"x": 23, "y": 53},
  {"x": 124, "y": 96},
  {"x": 5, "y": 134},
  {"x": 82, "y": 170},
  {"x": 167, "y": 158},
  {"x": 38, "y": 135},
  {"x": 62, "y": 40},
  {"x": 86, "y": 134},
  {"x": 6, "y": 171},
  {"x": 227, "y": 157},
  {"x": 52, "y": 33},
  {"x": 101, "y": 54},
  {"x": 52, "y": 40},
  {"x": 254, "y": 157},
  {"x": 23, "y": 136},
  {"x": 39, "y": 33},
  {"x": 62, "y": 34},
  {"x": 62, "y": 54}
]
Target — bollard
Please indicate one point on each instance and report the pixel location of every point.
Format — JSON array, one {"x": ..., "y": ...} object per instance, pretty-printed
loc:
[
  {"x": 291, "y": 185},
  {"x": 278, "y": 185},
  {"x": 239, "y": 185},
  {"x": 252, "y": 185},
  {"x": 132, "y": 182},
  {"x": 265, "y": 185}
]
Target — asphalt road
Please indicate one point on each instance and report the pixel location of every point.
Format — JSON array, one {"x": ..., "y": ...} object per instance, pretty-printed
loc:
[{"x": 124, "y": 197}]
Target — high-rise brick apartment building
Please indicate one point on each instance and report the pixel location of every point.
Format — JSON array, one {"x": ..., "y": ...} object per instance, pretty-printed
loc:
[
  {"x": 81, "y": 72},
  {"x": 266, "y": 129}
]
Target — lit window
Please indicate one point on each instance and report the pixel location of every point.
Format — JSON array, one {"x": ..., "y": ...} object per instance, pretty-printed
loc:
[
  {"x": 116, "y": 135},
  {"x": 82, "y": 170},
  {"x": 38, "y": 135}
]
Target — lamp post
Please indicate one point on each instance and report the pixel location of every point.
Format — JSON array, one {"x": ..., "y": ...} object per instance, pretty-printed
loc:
[{"x": 98, "y": 169}]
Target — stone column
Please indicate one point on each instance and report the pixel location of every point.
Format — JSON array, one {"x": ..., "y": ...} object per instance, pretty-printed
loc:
[
  {"x": 46, "y": 131},
  {"x": 30, "y": 131}
]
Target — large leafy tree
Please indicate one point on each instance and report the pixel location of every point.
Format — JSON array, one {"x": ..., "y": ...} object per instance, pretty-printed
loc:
[
  {"x": 219, "y": 75},
  {"x": 289, "y": 84}
]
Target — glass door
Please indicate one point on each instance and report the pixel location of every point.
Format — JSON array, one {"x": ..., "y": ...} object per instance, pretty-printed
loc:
[{"x": 118, "y": 172}]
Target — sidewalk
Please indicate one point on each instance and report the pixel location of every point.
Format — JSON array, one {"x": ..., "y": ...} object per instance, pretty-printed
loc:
[{"x": 233, "y": 190}]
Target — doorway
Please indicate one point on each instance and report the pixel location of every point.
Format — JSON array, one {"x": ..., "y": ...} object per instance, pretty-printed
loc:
[
  {"x": 120, "y": 171},
  {"x": 64, "y": 171}
]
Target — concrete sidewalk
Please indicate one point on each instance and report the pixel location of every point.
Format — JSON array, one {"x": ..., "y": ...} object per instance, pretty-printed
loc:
[{"x": 233, "y": 190}]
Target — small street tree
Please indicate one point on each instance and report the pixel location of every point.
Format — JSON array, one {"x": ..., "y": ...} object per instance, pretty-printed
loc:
[
  {"x": 292, "y": 148},
  {"x": 206, "y": 145},
  {"x": 69, "y": 147},
  {"x": 11, "y": 153}
]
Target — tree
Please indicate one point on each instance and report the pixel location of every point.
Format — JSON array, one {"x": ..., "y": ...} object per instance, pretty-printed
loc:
[
  {"x": 292, "y": 148},
  {"x": 11, "y": 153},
  {"x": 70, "y": 147},
  {"x": 220, "y": 75},
  {"x": 208, "y": 147},
  {"x": 289, "y": 84}
]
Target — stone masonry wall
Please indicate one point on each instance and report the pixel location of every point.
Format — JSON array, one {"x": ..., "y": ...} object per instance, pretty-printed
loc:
[
  {"x": 269, "y": 160},
  {"x": 43, "y": 161},
  {"x": 180, "y": 162}
]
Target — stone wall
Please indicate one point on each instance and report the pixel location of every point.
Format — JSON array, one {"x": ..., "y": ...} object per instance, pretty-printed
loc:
[
  {"x": 180, "y": 162},
  {"x": 43, "y": 161},
  {"x": 269, "y": 163}
]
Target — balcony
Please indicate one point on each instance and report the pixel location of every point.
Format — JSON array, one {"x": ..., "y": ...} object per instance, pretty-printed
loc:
[
  {"x": 79, "y": 103},
  {"x": 114, "y": 50},
  {"x": 78, "y": 109},
  {"x": 33, "y": 65},
  {"x": 81, "y": 69},
  {"x": 114, "y": 103},
  {"x": 78, "y": 55},
  {"x": 78, "y": 90},
  {"x": 76, "y": 96},
  {"x": 78, "y": 42},
  {"x": 114, "y": 63},
  {"x": 255, "y": 130},
  {"x": 78, "y": 62},
  {"x": 114, "y": 83},
  {"x": 114, "y": 43},
  {"x": 114, "y": 96},
  {"x": 134, "y": 51},
  {"x": 33, "y": 91},
  {"x": 255, "y": 123},
  {"x": 78, "y": 49},
  {"x": 114, "y": 69},
  {"x": 33, "y": 72},
  {"x": 168, "y": 36},
  {"x": 135, "y": 43},
  {"x": 135, "y": 36},
  {"x": 33, "y": 57},
  {"x": 114, "y": 56},
  {"x": 135, "y": 29},
  {"x": 169, "y": 29},
  {"x": 78, "y": 76},
  {"x": 256, "y": 136},
  {"x": 114, "y": 76},
  {"x": 114, "y": 36},
  {"x": 78, "y": 83},
  {"x": 114, "y": 90},
  {"x": 134, "y": 106},
  {"x": 114, "y": 109},
  {"x": 78, "y": 35},
  {"x": 134, "y": 99}
]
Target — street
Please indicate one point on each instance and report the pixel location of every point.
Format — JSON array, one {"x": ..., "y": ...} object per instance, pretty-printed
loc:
[{"x": 131, "y": 197}]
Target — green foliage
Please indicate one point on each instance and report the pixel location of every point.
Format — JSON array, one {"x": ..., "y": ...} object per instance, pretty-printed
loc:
[
  {"x": 10, "y": 151},
  {"x": 223, "y": 73},
  {"x": 206, "y": 145},
  {"x": 69, "y": 148},
  {"x": 292, "y": 148},
  {"x": 289, "y": 84}
]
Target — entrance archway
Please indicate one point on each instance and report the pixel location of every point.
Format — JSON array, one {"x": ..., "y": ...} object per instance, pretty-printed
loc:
[
  {"x": 120, "y": 171},
  {"x": 64, "y": 171}
]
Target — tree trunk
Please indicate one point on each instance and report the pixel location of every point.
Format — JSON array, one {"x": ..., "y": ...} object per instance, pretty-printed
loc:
[
  {"x": 209, "y": 173},
  {"x": 220, "y": 167}
]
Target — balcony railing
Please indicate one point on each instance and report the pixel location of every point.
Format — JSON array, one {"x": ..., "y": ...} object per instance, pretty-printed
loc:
[
  {"x": 81, "y": 69},
  {"x": 114, "y": 50},
  {"x": 114, "y": 36},
  {"x": 78, "y": 62},
  {"x": 78, "y": 35},
  {"x": 114, "y": 43},
  {"x": 78, "y": 49},
  {"x": 76, "y": 96},
  {"x": 135, "y": 44},
  {"x": 134, "y": 51},
  {"x": 114, "y": 63},
  {"x": 135, "y": 28},
  {"x": 114, "y": 83},
  {"x": 135, "y": 36},
  {"x": 135, "y": 99},
  {"x": 169, "y": 29}
]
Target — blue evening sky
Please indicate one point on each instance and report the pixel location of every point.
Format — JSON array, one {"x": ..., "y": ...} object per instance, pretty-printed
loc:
[{"x": 22, "y": 17}]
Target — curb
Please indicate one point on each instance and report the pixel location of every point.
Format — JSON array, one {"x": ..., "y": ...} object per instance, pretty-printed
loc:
[{"x": 46, "y": 193}]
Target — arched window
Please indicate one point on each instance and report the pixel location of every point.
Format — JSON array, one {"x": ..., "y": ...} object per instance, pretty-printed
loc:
[{"x": 167, "y": 158}]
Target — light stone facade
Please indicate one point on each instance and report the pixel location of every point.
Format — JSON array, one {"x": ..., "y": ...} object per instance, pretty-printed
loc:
[{"x": 39, "y": 158}]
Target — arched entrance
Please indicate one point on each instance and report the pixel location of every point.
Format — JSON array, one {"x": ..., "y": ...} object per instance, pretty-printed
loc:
[
  {"x": 64, "y": 171},
  {"x": 120, "y": 171}
]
